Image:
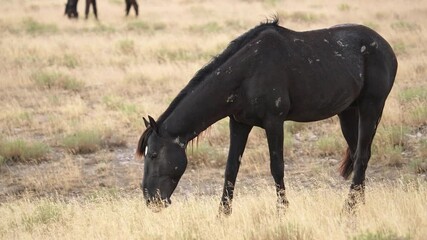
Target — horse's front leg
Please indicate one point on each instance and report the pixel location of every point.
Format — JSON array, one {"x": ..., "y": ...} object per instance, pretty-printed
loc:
[
  {"x": 274, "y": 131},
  {"x": 238, "y": 137}
]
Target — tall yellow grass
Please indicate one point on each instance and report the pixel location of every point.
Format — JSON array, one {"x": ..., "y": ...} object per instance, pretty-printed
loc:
[{"x": 392, "y": 211}]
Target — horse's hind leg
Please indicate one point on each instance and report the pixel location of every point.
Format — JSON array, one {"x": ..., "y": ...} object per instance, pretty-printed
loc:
[
  {"x": 370, "y": 106},
  {"x": 349, "y": 121},
  {"x": 238, "y": 136}
]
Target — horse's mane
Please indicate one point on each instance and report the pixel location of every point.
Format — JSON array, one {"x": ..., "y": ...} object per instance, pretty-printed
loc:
[
  {"x": 233, "y": 47},
  {"x": 216, "y": 62}
]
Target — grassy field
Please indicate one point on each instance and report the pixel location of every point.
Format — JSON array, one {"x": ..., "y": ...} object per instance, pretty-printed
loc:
[{"x": 73, "y": 94}]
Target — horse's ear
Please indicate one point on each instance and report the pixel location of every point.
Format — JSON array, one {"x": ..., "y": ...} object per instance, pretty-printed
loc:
[
  {"x": 153, "y": 124},
  {"x": 147, "y": 124}
]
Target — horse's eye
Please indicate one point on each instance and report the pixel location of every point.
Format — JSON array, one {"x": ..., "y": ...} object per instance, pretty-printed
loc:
[{"x": 153, "y": 155}]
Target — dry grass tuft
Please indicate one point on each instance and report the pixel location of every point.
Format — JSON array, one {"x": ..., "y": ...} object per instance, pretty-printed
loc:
[{"x": 392, "y": 211}]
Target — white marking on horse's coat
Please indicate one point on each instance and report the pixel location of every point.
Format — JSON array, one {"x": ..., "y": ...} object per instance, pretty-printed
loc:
[
  {"x": 298, "y": 40},
  {"x": 337, "y": 54},
  {"x": 176, "y": 140},
  {"x": 363, "y": 49},
  {"x": 218, "y": 72},
  {"x": 228, "y": 71},
  {"x": 341, "y": 44},
  {"x": 146, "y": 151},
  {"x": 374, "y": 44},
  {"x": 176, "y": 168},
  {"x": 277, "y": 102},
  {"x": 325, "y": 40},
  {"x": 317, "y": 60},
  {"x": 257, "y": 42},
  {"x": 240, "y": 158},
  {"x": 256, "y": 50},
  {"x": 309, "y": 60},
  {"x": 231, "y": 98}
]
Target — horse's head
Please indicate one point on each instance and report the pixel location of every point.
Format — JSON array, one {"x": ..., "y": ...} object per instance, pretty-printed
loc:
[{"x": 164, "y": 164}]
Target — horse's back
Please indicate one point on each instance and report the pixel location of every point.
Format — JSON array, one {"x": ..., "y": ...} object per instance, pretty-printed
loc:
[{"x": 309, "y": 76}]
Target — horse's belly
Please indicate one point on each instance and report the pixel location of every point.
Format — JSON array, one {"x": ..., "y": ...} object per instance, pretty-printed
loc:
[{"x": 322, "y": 104}]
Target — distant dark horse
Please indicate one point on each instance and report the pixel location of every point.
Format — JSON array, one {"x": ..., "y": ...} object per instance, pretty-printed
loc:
[
  {"x": 95, "y": 11},
  {"x": 129, "y": 4},
  {"x": 71, "y": 9},
  {"x": 266, "y": 76}
]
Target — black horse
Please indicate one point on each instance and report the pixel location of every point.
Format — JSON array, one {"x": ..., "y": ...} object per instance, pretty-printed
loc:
[
  {"x": 71, "y": 9},
  {"x": 129, "y": 4},
  {"x": 269, "y": 75}
]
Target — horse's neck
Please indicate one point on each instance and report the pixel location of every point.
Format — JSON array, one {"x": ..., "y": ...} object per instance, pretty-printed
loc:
[{"x": 201, "y": 108}]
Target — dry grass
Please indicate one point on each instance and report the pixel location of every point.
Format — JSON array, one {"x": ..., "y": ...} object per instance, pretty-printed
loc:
[
  {"x": 392, "y": 211},
  {"x": 82, "y": 87}
]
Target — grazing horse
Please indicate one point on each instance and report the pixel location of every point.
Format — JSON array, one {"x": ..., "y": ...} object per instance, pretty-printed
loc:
[
  {"x": 129, "y": 4},
  {"x": 266, "y": 76},
  {"x": 95, "y": 11},
  {"x": 71, "y": 9}
]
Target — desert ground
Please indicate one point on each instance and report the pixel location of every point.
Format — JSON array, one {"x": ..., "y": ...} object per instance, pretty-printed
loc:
[{"x": 73, "y": 94}]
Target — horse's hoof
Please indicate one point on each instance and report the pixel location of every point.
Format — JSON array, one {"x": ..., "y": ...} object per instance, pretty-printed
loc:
[{"x": 225, "y": 210}]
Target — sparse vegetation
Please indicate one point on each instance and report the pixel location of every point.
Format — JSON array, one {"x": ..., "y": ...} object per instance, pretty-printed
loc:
[
  {"x": 83, "y": 142},
  {"x": 22, "y": 151},
  {"x": 344, "y": 7},
  {"x": 45, "y": 213},
  {"x": 314, "y": 214},
  {"x": 304, "y": 17},
  {"x": 328, "y": 145},
  {"x": 211, "y": 27},
  {"x": 34, "y": 27},
  {"x": 49, "y": 80}
]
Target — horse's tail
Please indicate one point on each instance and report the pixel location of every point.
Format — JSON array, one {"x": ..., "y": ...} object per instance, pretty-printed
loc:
[{"x": 346, "y": 167}]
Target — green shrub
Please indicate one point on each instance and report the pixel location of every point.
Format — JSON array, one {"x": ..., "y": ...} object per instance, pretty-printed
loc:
[
  {"x": 31, "y": 26},
  {"x": 118, "y": 104},
  {"x": 203, "y": 154},
  {"x": 126, "y": 46},
  {"x": 70, "y": 61},
  {"x": 391, "y": 136},
  {"x": 418, "y": 165},
  {"x": 418, "y": 115},
  {"x": 22, "y": 151},
  {"x": 210, "y": 27},
  {"x": 306, "y": 17},
  {"x": 46, "y": 79},
  {"x": 44, "y": 214},
  {"x": 344, "y": 7},
  {"x": 295, "y": 127},
  {"x": 143, "y": 27},
  {"x": 83, "y": 142},
  {"x": 399, "y": 47},
  {"x": 180, "y": 54},
  {"x": 328, "y": 145},
  {"x": 414, "y": 93},
  {"x": 380, "y": 235},
  {"x": 102, "y": 28},
  {"x": 90, "y": 141},
  {"x": 405, "y": 26}
]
